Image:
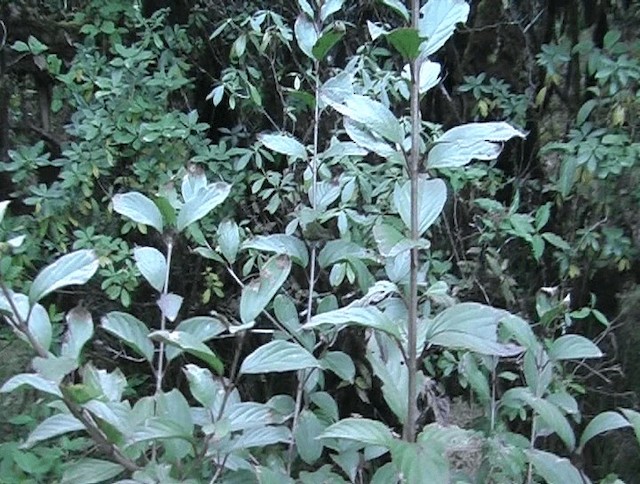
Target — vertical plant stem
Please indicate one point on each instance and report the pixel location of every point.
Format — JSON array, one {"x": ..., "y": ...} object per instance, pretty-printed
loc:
[
  {"x": 163, "y": 322},
  {"x": 409, "y": 431}
]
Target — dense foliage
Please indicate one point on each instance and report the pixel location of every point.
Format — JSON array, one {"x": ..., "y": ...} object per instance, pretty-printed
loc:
[{"x": 319, "y": 241}]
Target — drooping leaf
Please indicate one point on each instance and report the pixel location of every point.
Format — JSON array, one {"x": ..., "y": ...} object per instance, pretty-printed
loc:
[
  {"x": 339, "y": 363},
  {"x": 71, "y": 269},
  {"x": 554, "y": 469},
  {"x": 202, "y": 203},
  {"x": 325, "y": 42},
  {"x": 229, "y": 239},
  {"x": 54, "y": 368},
  {"x": 284, "y": 144},
  {"x": 91, "y": 471},
  {"x": 34, "y": 381},
  {"x": 432, "y": 195},
  {"x": 278, "y": 356},
  {"x": 362, "y": 430},
  {"x": 309, "y": 427},
  {"x": 157, "y": 428},
  {"x": 202, "y": 328},
  {"x": 398, "y": 6},
  {"x": 281, "y": 244},
  {"x": 374, "y": 115},
  {"x": 600, "y": 424},
  {"x": 170, "y": 305},
  {"x": 249, "y": 415},
  {"x": 363, "y": 137},
  {"x": 131, "y": 331},
  {"x": 152, "y": 265},
  {"x": 306, "y": 34},
  {"x": 258, "y": 293},
  {"x": 370, "y": 317},
  {"x": 190, "y": 344},
  {"x": 438, "y": 19},
  {"x": 53, "y": 426},
  {"x": 573, "y": 347},
  {"x": 40, "y": 326},
  {"x": 79, "y": 331},
  {"x": 139, "y": 208},
  {"x": 261, "y": 437},
  {"x": 201, "y": 384}
]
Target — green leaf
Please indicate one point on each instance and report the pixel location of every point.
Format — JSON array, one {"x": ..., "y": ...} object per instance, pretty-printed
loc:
[
  {"x": 201, "y": 384},
  {"x": 157, "y": 428},
  {"x": 249, "y": 415},
  {"x": 573, "y": 347},
  {"x": 54, "y": 368},
  {"x": 309, "y": 427},
  {"x": 34, "y": 381},
  {"x": 554, "y": 469},
  {"x": 438, "y": 19},
  {"x": 374, "y": 115},
  {"x": 202, "y": 203},
  {"x": 229, "y": 240},
  {"x": 306, "y": 35},
  {"x": 420, "y": 463},
  {"x": 306, "y": 8},
  {"x": 325, "y": 42},
  {"x": 40, "y": 326},
  {"x": 190, "y": 344},
  {"x": 258, "y": 293},
  {"x": 152, "y": 265},
  {"x": 398, "y": 7},
  {"x": 3, "y": 208},
  {"x": 329, "y": 7},
  {"x": 432, "y": 195},
  {"x": 364, "y": 138},
  {"x": 52, "y": 427},
  {"x": 170, "y": 305},
  {"x": 600, "y": 424},
  {"x": 262, "y": 437},
  {"x": 79, "y": 331},
  {"x": 278, "y": 356},
  {"x": 361, "y": 430},
  {"x": 339, "y": 363},
  {"x": 284, "y": 144},
  {"x": 556, "y": 241},
  {"x": 131, "y": 331},
  {"x": 281, "y": 244},
  {"x": 406, "y": 41},
  {"x": 193, "y": 182},
  {"x": 470, "y": 326},
  {"x": 634, "y": 418},
  {"x": 138, "y": 208},
  {"x": 370, "y": 317},
  {"x": 91, "y": 471},
  {"x": 72, "y": 269},
  {"x": 202, "y": 328}
]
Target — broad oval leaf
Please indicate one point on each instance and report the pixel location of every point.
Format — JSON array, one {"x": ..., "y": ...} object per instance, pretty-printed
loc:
[
  {"x": 438, "y": 19},
  {"x": 40, "y": 326},
  {"x": 325, "y": 42},
  {"x": 139, "y": 208},
  {"x": 362, "y": 430},
  {"x": 306, "y": 34},
  {"x": 573, "y": 347},
  {"x": 202, "y": 203},
  {"x": 71, "y": 269},
  {"x": 229, "y": 239},
  {"x": 488, "y": 131},
  {"x": 370, "y": 317},
  {"x": 52, "y": 427},
  {"x": 374, "y": 115},
  {"x": 554, "y": 469},
  {"x": 34, "y": 381},
  {"x": 91, "y": 471},
  {"x": 202, "y": 328},
  {"x": 600, "y": 424},
  {"x": 190, "y": 344},
  {"x": 170, "y": 305},
  {"x": 284, "y": 144},
  {"x": 79, "y": 331},
  {"x": 131, "y": 331},
  {"x": 398, "y": 7},
  {"x": 258, "y": 293},
  {"x": 305, "y": 434},
  {"x": 152, "y": 265},
  {"x": 432, "y": 195},
  {"x": 281, "y": 244},
  {"x": 278, "y": 356}
]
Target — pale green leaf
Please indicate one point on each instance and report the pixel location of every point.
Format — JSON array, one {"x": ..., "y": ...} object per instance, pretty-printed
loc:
[
  {"x": 398, "y": 7},
  {"x": 438, "y": 19},
  {"x": 138, "y": 208},
  {"x": 306, "y": 34},
  {"x": 70, "y": 269},
  {"x": 432, "y": 195},
  {"x": 284, "y": 144},
  {"x": 309, "y": 427},
  {"x": 202, "y": 328},
  {"x": 339, "y": 363},
  {"x": 34, "y": 381},
  {"x": 79, "y": 331},
  {"x": 600, "y": 424},
  {"x": 258, "y": 293},
  {"x": 229, "y": 240},
  {"x": 554, "y": 469},
  {"x": 370, "y": 317},
  {"x": 202, "y": 203},
  {"x": 573, "y": 347},
  {"x": 91, "y": 471},
  {"x": 52, "y": 427},
  {"x": 634, "y": 419},
  {"x": 361, "y": 430},
  {"x": 261, "y": 437},
  {"x": 131, "y": 331},
  {"x": 170, "y": 305},
  {"x": 190, "y": 344},
  {"x": 329, "y": 7},
  {"x": 152, "y": 265},
  {"x": 278, "y": 356},
  {"x": 374, "y": 115},
  {"x": 281, "y": 244},
  {"x": 3, "y": 208}
]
